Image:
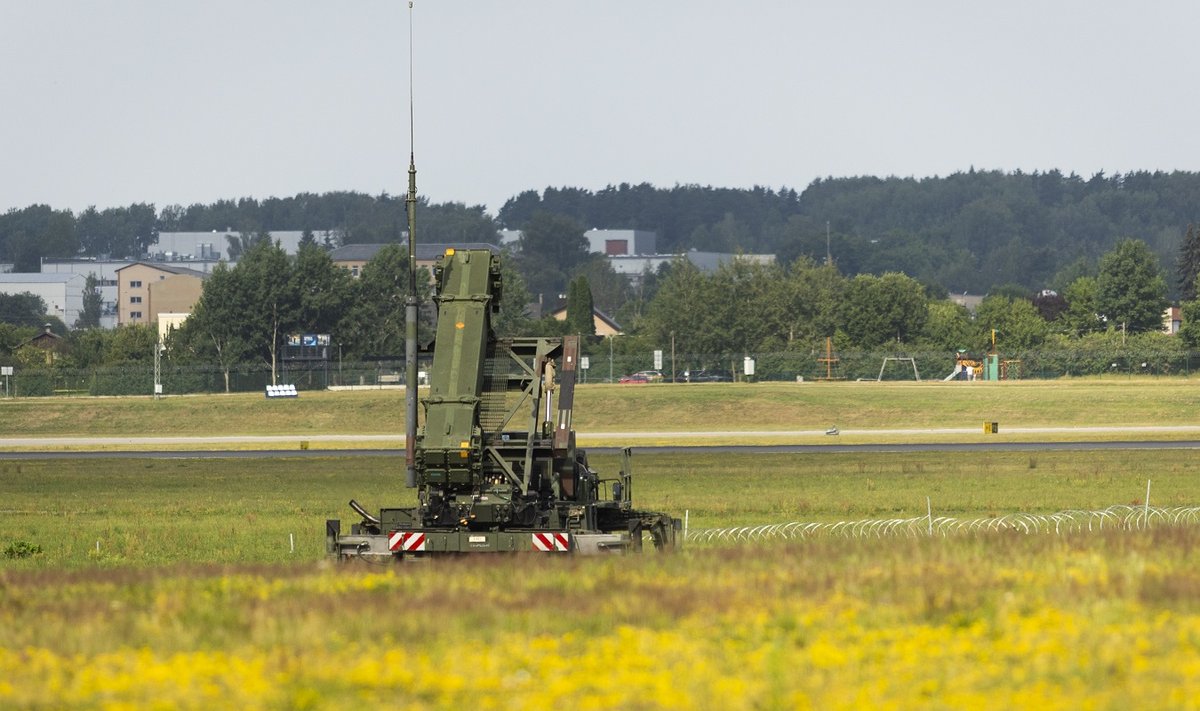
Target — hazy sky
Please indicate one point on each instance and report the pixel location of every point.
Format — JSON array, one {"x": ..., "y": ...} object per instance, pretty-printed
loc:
[{"x": 122, "y": 101}]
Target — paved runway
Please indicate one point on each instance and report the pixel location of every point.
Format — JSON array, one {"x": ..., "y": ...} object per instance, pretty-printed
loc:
[{"x": 699, "y": 449}]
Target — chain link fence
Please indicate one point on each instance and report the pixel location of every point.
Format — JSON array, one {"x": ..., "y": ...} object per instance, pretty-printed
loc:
[
  {"x": 930, "y": 365},
  {"x": 138, "y": 378}
]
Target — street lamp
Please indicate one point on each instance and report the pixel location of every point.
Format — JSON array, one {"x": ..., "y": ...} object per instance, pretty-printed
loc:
[
  {"x": 611, "y": 336},
  {"x": 610, "y": 357}
]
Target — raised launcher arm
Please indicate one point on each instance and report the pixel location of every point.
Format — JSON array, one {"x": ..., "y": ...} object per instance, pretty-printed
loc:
[
  {"x": 496, "y": 463},
  {"x": 450, "y": 445}
]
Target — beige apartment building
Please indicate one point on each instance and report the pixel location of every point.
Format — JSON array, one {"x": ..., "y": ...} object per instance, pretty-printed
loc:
[{"x": 147, "y": 289}]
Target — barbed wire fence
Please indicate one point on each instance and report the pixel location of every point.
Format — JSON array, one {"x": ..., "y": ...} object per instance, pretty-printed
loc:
[{"x": 1115, "y": 517}]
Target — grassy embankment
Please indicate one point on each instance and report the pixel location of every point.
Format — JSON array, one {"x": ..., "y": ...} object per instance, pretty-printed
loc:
[{"x": 795, "y": 412}]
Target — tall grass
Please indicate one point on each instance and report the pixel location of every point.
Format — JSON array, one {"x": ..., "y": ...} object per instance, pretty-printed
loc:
[
  {"x": 993, "y": 621},
  {"x": 194, "y": 598}
]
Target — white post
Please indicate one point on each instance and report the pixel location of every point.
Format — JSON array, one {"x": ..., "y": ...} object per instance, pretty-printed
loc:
[
  {"x": 685, "y": 523},
  {"x": 1146, "y": 505},
  {"x": 929, "y": 513},
  {"x": 292, "y": 541}
]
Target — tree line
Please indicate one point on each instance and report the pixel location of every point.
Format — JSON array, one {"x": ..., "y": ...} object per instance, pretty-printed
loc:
[
  {"x": 38, "y": 232},
  {"x": 970, "y": 231},
  {"x": 967, "y": 232},
  {"x": 881, "y": 285},
  {"x": 780, "y": 314},
  {"x": 746, "y": 308}
]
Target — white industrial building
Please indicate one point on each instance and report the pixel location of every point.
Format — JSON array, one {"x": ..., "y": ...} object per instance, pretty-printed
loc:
[
  {"x": 211, "y": 247},
  {"x": 610, "y": 243},
  {"x": 634, "y": 266},
  {"x": 105, "y": 271},
  {"x": 634, "y": 252},
  {"x": 63, "y": 293}
]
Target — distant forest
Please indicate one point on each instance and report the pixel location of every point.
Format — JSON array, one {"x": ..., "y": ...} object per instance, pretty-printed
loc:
[{"x": 966, "y": 232}]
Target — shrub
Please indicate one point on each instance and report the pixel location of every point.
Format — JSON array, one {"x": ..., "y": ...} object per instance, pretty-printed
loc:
[{"x": 22, "y": 549}]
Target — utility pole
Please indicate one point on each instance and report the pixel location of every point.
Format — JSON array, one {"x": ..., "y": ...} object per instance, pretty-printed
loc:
[
  {"x": 610, "y": 359},
  {"x": 410, "y": 302},
  {"x": 828, "y": 251},
  {"x": 672, "y": 356},
  {"x": 158, "y": 349}
]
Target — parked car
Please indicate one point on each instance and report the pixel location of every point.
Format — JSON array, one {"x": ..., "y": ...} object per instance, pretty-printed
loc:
[
  {"x": 707, "y": 376},
  {"x": 654, "y": 376},
  {"x": 635, "y": 379}
]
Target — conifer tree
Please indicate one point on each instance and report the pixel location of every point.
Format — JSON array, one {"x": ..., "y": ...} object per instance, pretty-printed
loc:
[
  {"x": 1188, "y": 265},
  {"x": 580, "y": 308}
]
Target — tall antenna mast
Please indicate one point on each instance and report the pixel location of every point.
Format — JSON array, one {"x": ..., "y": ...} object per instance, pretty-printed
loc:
[
  {"x": 828, "y": 253},
  {"x": 410, "y": 303}
]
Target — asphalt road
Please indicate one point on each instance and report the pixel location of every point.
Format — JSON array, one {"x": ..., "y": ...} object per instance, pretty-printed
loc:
[
  {"x": 594, "y": 440},
  {"x": 699, "y": 449}
]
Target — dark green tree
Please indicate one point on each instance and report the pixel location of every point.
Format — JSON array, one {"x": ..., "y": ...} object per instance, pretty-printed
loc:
[
  {"x": 218, "y": 330},
  {"x": 24, "y": 309},
  {"x": 551, "y": 247},
  {"x": 610, "y": 290},
  {"x": 374, "y": 322},
  {"x": 513, "y": 317},
  {"x": 947, "y": 327},
  {"x": 29, "y": 235},
  {"x": 455, "y": 223},
  {"x": 1082, "y": 315},
  {"x": 265, "y": 273},
  {"x": 1188, "y": 265},
  {"x": 882, "y": 309},
  {"x": 681, "y": 306},
  {"x": 131, "y": 343},
  {"x": 321, "y": 290},
  {"x": 1189, "y": 332},
  {"x": 89, "y": 347},
  {"x": 580, "y": 320},
  {"x": 117, "y": 231},
  {"x": 89, "y": 317},
  {"x": 749, "y": 303},
  {"x": 1131, "y": 291},
  {"x": 816, "y": 293},
  {"x": 1067, "y": 274},
  {"x": 1017, "y": 324}
]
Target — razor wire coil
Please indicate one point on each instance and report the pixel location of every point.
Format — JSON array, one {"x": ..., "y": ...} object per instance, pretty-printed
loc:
[{"x": 1119, "y": 516}]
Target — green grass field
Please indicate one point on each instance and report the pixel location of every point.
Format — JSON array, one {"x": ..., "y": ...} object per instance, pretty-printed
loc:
[
  {"x": 201, "y": 583},
  {"x": 173, "y": 584},
  {"x": 718, "y": 407},
  {"x": 148, "y": 512},
  {"x": 619, "y": 414}
]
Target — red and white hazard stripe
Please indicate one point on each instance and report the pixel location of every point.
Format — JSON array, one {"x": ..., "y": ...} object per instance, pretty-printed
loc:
[
  {"x": 406, "y": 541},
  {"x": 547, "y": 542}
]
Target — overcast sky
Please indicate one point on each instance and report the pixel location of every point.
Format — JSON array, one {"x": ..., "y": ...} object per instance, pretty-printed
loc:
[{"x": 110, "y": 103}]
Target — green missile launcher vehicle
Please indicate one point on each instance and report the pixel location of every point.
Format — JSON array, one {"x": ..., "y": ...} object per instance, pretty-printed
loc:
[{"x": 496, "y": 466}]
